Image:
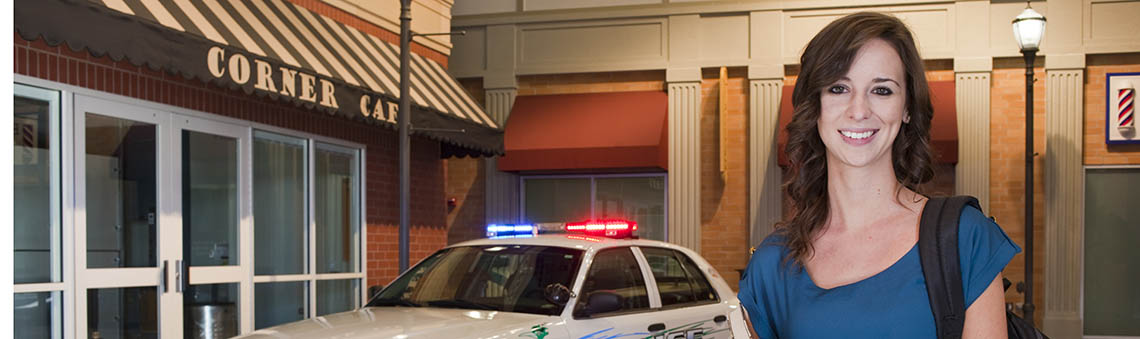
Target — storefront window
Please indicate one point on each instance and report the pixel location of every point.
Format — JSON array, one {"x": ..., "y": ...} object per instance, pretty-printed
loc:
[
  {"x": 640, "y": 198},
  {"x": 36, "y": 186},
  {"x": 1112, "y": 260},
  {"x": 337, "y": 295},
  {"x": 36, "y": 232},
  {"x": 280, "y": 181},
  {"x": 279, "y": 303},
  {"x": 121, "y": 172},
  {"x": 337, "y": 202},
  {"x": 557, "y": 199},
  {"x": 209, "y": 199}
]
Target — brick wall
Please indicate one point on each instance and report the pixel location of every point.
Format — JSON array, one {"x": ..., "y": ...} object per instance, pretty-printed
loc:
[
  {"x": 465, "y": 183},
  {"x": 1096, "y": 151},
  {"x": 1007, "y": 165},
  {"x": 724, "y": 196},
  {"x": 60, "y": 64}
]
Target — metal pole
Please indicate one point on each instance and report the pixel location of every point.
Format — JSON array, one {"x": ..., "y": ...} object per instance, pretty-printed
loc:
[
  {"x": 404, "y": 122},
  {"x": 1027, "y": 309}
]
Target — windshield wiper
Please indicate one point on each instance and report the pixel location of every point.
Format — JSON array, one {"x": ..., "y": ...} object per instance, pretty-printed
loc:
[
  {"x": 460, "y": 304},
  {"x": 393, "y": 302}
]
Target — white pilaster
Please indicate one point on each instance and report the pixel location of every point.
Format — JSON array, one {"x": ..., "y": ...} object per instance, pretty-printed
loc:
[
  {"x": 685, "y": 159},
  {"x": 972, "y": 98},
  {"x": 502, "y": 188},
  {"x": 764, "y": 176},
  {"x": 1064, "y": 202}
]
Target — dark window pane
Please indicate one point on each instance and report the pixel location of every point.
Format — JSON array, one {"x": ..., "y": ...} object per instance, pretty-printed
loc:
[
  {"x": 121, "y": 196},
  {"x": 279, "y": 303},
  {"x": 640, "y": 199},
  {"x": 279, "y": 204},
  {"x": 1112, "y": 261},
  {"x": 114, "y": 313},
  {"x": 34, "y": 232},
  {"x": 337, "y": 203},
  {"x": 33, "y": 317},
  {"x": 209, "y": 199},
  {"x": 557, "y": 200},
  {"x": 334, "y": 296}
]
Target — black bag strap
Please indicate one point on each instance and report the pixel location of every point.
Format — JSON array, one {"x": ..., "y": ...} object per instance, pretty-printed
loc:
[{"x": 938, "y": 252}]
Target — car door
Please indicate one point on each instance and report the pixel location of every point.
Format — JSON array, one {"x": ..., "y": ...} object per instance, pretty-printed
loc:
[
  {"x": 690, "y": 306},
  {"x": 614, "y": 276}
]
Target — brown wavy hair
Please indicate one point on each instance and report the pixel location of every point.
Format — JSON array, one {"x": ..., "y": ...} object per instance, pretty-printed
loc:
[{"x": 825, "y": 60}]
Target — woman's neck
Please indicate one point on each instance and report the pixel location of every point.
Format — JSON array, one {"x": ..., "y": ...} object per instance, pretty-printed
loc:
[{"x": 858, "y": 196}]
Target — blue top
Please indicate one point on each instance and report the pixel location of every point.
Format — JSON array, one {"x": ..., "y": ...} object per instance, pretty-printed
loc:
[{"x": 783, "y": 302}]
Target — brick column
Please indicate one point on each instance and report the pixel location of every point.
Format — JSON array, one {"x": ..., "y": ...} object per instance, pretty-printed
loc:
[
  {"x": 684, "y": 197},
  {"x": 764, "y": 177}
]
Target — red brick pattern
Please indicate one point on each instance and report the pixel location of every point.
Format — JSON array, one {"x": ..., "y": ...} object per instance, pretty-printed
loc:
[
  {"x": 1097, "y": 152},
  {"x": 1007, "y": 165},
  {"x": 724, "y": 196},
  {"x": 60, "y": 64},
  {"x": 320, "y": 7}
]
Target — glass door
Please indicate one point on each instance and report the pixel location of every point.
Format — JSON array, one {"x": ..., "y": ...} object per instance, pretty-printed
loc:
[
  {"x": 121, "y": 220},
  {"x": 214, "y": 203}
]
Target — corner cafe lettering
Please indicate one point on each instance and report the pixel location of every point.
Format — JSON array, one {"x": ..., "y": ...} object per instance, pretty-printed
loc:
[
  {"x": 191, "y": 168},
  {"x": 238, "y": 68}
]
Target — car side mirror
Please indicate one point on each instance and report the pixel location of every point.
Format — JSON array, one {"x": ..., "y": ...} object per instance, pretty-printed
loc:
[
  {"x": 558, "y": 294},
  {"x": 602, "y": 302}
]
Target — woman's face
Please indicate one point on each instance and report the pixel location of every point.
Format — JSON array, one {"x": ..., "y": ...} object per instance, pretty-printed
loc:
[{"x": 860, "y": 114}]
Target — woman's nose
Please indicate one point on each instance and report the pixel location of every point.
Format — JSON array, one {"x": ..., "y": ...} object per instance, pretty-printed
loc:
[{"x": 859, "y": 109}]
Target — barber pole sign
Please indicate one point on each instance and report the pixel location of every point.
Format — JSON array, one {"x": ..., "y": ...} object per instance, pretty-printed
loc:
[
  {"x": 1120, "y": 108},
  {"x": 1125, "y": 97}
]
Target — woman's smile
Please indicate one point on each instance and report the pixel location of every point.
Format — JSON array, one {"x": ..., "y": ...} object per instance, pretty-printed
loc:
[{"x": 858, "y": 136}]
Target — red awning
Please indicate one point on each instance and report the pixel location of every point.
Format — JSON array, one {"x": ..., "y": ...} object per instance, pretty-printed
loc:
[
  {"x": 623, "y": 130},
  {"x": 943, "y": 130}
]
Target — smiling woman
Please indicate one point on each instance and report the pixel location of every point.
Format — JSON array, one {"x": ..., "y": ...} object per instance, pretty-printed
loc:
[{"x": 859, "y": 149}]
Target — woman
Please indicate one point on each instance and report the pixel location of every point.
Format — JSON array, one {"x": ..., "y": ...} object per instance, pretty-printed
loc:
[{"x": 845, "y": 264}]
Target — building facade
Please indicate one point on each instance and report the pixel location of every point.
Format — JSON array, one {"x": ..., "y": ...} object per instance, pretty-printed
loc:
[
  {"x": 723, "y": 69},
  {"x": 184, "y": 168}
]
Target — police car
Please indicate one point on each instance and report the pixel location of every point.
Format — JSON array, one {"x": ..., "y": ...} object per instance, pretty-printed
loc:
[{"x": 591, "y": 280}]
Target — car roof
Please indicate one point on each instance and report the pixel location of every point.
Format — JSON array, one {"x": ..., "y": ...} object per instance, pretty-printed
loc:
[{"x": 582, "y": 242}]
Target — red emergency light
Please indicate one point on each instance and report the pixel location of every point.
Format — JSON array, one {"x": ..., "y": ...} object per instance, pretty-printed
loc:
[{"x": 608, "y": 228}]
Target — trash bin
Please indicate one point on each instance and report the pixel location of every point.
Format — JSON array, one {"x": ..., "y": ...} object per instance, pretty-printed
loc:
[{"x": 211, "y": 321}]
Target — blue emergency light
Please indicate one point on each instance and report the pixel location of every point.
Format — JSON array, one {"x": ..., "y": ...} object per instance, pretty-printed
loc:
[{"x": 513, "y": 231}]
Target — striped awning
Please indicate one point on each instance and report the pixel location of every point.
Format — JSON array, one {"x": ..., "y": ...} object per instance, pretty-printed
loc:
[{"x": 267, "y": 47}]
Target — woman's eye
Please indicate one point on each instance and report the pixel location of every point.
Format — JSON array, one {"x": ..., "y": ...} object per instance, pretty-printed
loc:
[
  {"x": 837, "y": 89},
  {"x": 882, "y": 91}
]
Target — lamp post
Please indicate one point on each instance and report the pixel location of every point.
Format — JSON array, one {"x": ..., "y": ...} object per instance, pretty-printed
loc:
[{"x": 1028, "y": 29}]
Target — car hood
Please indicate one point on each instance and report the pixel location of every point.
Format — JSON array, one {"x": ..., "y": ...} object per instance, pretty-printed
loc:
[{"x": 407, "y": 322}]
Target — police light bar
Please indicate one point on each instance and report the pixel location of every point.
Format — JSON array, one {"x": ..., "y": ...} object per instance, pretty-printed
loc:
[
  {"x": 498, "y": 231},
  {"x": 608, "y": 228}
]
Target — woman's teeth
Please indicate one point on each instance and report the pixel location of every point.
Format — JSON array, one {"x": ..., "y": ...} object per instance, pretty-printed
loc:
[{"x": 857, "y": 135}]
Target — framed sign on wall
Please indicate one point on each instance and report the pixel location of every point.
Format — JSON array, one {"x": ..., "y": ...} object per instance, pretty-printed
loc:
[{"x": 1121, "y": 108}]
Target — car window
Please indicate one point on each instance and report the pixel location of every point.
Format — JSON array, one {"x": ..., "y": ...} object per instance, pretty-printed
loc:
[
  {"x": 509, "y": 278},
  {"x": 679, "y": 280},
  {"x": 614, "y": 271}
]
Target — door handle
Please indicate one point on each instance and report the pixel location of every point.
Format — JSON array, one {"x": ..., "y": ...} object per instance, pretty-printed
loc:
[
  {"x": 162, "y": 277},
  {"x": 720, "y": 319},
  {"x": 656, "y": 327},
  {"x": 181, "y": 276}
]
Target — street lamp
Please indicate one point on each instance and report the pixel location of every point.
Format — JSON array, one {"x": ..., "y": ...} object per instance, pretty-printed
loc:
[{"x": 1028, "y": 29}]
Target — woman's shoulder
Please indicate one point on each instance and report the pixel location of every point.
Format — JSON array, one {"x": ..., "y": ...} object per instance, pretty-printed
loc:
[
  {"x": 973, "y": 224},
  {"x": 770, "y": 254}
]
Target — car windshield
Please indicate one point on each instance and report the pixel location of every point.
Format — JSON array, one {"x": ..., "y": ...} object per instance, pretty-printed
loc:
[{"x": 508, "y": 278}]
